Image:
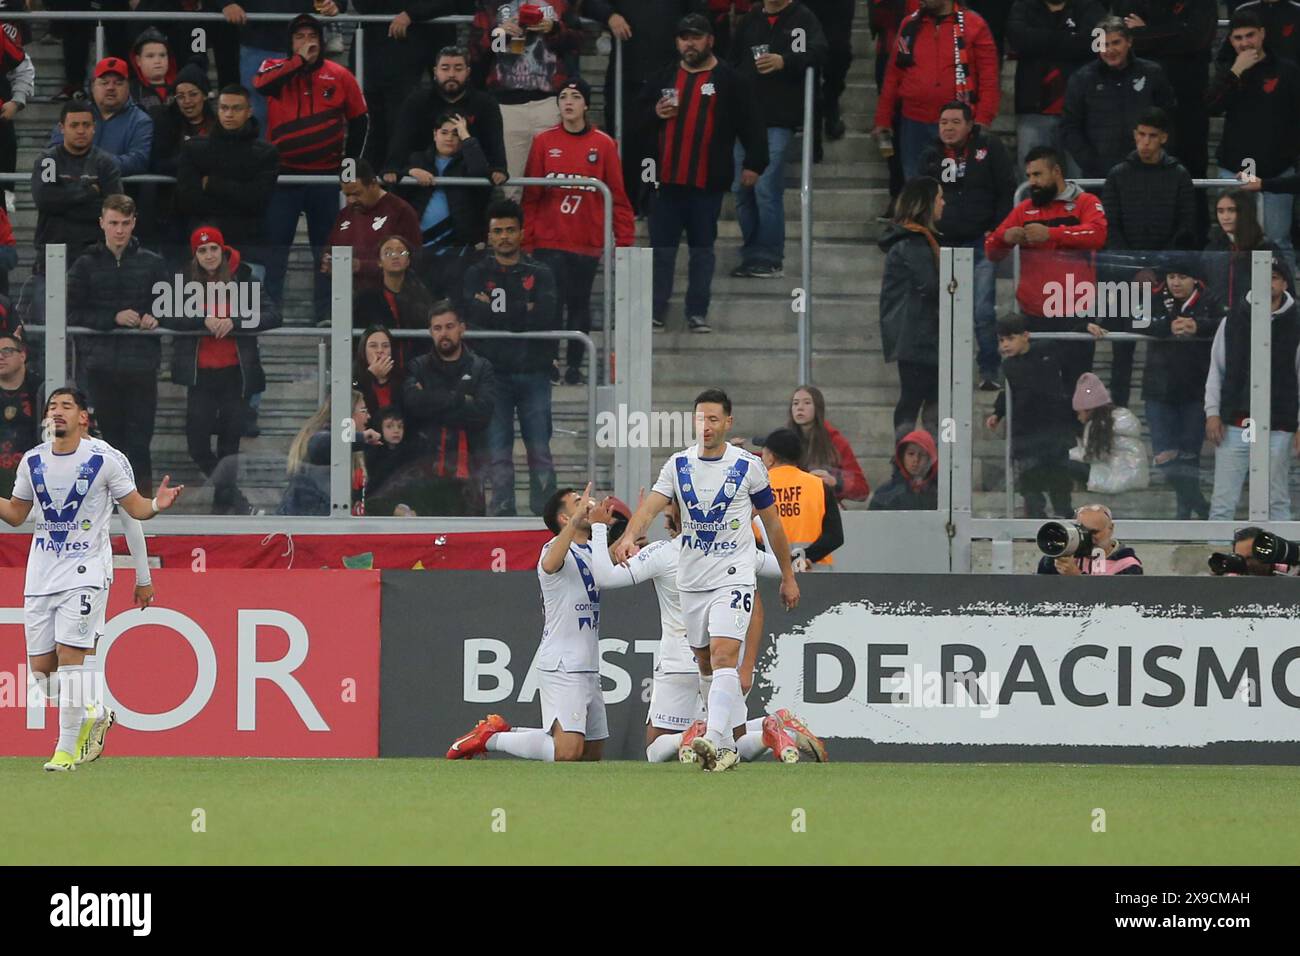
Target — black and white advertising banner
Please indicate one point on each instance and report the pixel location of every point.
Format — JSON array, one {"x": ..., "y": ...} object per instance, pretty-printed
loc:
[{"x": 915, "y": 667}]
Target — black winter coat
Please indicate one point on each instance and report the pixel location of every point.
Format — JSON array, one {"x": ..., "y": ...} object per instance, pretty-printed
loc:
[
  {"x": 1177, "y": 366},
  {"x": 1049, "y": 48},
  {"x": 654, "y": 35},
  {"x": 413, "y": 132},
  {"x": 370, "y": 307},
  {"x": 1042, "y": 423},
  {"x": 531, "y": 305},
  {"x": 1261, "y": 111},
  {"x": 1102, "y": 107},
  {"x": 100, "y": 285},
  {"x": 67, "y": 210},
  {"x": 981, "y": 196},
  {"x": 1227, "y": 271},
  {"x": 443, "y": 399},
  {"x": 241, "y": 170},
  {"x": 779, "y": 94},
  {"x": 390, "y": 62},
  {"x": 909, "y": 297},
  {"x": 467, "y": 204},
  {"x": 1234, "y": 397},
  {"x": 1148, "y": 206},
  {"x": 185, "y": 353}
]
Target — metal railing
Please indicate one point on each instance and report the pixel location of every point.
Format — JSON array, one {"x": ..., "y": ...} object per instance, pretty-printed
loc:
[{"x": 806, "y": 226}]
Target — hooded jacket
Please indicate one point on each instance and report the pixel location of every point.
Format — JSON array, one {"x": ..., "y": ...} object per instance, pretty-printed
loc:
[
  {"x": 1176, "y": 367},
  {"x": 100, "y": 285},
  {"x": 930, "y": 82},
  {"x": 1050, "y": 45},
  {"x": 241, "y": 170},
  {"x": 187, "y": 348},
  {"x": 1149, "y": 206},
  {"x": 1076, "y": 227},
  {"x": 315, "y": 113},
  {"x": 903, "y": 492},
  {"x": 1126, "y": 467},
  {"x": 780, "y": 93},
  {"x": 850, "y": 482},
  {"x": 1102, "y": 105},
  {"x": 1227, "y": 387},
  {"x": 148, "y": 95},
  {"x": 909, "y": 297},
  {"x": 982, "y": 193}
]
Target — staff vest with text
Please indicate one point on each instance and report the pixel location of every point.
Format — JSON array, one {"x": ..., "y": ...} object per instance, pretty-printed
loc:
[{"x": 801, "y": 503}]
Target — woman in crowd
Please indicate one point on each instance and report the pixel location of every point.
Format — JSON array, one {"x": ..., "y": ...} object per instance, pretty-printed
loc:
[
  {"x": 1110, "y": 457},
  {"x": 826, "y": 453},
  {"x": 376, "y": 373},
  {"x": 309, "y": 462},
  {"x": 223, "y": 368},
  {"x": 909, "y": 299},
  {"x": 402, "y": 303},
  {"x": 1227, "y": 256}
]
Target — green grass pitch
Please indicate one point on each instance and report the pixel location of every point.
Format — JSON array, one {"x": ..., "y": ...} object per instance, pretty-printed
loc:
[{"x": 141, "y": 811}]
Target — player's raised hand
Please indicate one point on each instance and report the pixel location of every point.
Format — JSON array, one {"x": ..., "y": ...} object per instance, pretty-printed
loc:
[
  {"x": 143, "y": 595},
  {"x": 604, "y": 512},
  {"x": 789, "y": 593},
  {"x": 167, "y": 494}
]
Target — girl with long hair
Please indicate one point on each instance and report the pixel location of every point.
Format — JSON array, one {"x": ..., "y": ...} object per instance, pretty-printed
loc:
[
  {"x": 826, "y": 452},
  {"x": 376, "y": 373}
]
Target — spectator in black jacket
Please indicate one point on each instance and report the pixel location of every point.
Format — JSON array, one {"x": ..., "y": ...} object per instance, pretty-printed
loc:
[
  {"x": 646, "y": 29},
  {"x": 20, "y": 408},
  {"x": 1179, "y": 36},
  {"x": 1150, "y": 205},
  {"x": 1281, "y": 22},
  {"x": 1259, "y": 96},
  {"x": 376, "y": 372},
  {"x": 450, "y": 400},
  {"x": 509, "y": 292},
  {"x": 909, "y": 300},
  {"x": 1042, "y": 422},
  {"x": 979, "y": 186},
  {"x": 1104, "y": 99},
  {"x": 450, "y": 93},
  {"x": 111, "y": 286},
  {"x": 222, "y": 369},
  {"x": 188, "y": 116},
  {"x": 1227, "y": 255},
  {"x": 453, "y": 219},
  {"x": 1173, "y": 382},
  {"x": 1052, "y": 39},
  {"x": 226, "y": 178},
  {"x": 766, "y": 54},
  {"x": 69, "y": 183},
  {"x": 836, "y": 18},
  {"x": 400, "y": 302},
  {"x": 153, "y": 71},
  {"x": 695, "y": 162}
]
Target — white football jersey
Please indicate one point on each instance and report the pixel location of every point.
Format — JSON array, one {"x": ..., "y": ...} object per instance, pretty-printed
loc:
[
  {"x": 718, "y": 498},
  {"x": 73, "y": 495},
  {"x": 571, "y": 604},
  {"x": 657, "y": 562}
]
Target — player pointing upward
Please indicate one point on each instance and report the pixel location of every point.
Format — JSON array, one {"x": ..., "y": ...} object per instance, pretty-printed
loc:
[
  {"x": 720, "y": 488},
  {"x": 75, "y": 480}
]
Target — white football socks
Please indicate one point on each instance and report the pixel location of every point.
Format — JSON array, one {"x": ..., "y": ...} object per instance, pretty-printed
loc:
[
  {"x": 663, "y": 749},
  {"x": 528, "y": 744},
  {"x": 72, "y": 706},
  {"x": 751, "y": 746},
  {"x": 724, "y": 697},
  {"x": 754, "y": 726}
]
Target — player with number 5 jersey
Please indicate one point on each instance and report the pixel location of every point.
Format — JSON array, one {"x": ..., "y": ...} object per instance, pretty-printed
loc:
[{"x": 720, "y": 489}]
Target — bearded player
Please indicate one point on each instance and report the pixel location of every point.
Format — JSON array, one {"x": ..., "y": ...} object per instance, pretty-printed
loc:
[
  {"x": 69, "y": 565},
  {"x": 719, "y": 488}
]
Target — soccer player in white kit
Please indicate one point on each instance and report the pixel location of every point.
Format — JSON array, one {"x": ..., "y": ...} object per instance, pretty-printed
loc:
[
  {"x": 574, "y": 725},
  {"x": 75, "y": 481},
  {"x": 719, "y": 488}
]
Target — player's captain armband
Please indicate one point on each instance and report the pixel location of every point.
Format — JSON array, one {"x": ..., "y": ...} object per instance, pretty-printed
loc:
[{"x": 763, "y": 499}]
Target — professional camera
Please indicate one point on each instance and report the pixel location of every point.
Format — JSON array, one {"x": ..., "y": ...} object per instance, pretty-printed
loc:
[
  {"x": 1221, "y": 564},
  {"x": 1272, "y": 549},
  {"x": 1065, "y": 539}
]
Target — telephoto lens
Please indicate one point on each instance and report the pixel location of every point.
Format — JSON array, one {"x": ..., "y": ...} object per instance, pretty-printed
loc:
[
  {"x": 1058, "y": 539},
  {"x": 1272, "y": 549},
  {"x": 1222, "y": 564}
]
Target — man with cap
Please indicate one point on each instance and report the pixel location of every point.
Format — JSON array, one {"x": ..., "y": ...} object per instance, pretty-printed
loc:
[
  {"x": 701, "y": 108},
  {"x": 1173, "y": 382},
  {"x": 565, "y": 228},
  {"x": 805, "y": 504},
  {"x": 1227, "y": 400},
  {"x": 646, "y": 29},
  {"x": 122, "y": 128}
]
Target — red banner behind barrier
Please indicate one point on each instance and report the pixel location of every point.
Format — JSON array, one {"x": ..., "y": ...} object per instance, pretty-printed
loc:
[
  {"x": 226, "y": 663},
  {"x": 464, "y": 551}
]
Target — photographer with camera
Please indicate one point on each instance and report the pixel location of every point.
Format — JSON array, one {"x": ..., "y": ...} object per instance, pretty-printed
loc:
[
  {"x": 1256, "y": 553},
  {"x": 1086, "y": 545}
]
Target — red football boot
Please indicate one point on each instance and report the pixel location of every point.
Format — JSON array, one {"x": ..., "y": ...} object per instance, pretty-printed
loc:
[
  {"x": 684, "y": 752},
  {"x": 475, "y": 742},
  {"x": 776, "y": 739},
  {"x": 808, "y": 742}
]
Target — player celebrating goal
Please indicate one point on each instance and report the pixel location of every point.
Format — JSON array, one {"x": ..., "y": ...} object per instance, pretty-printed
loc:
[
  {"x": 574, "y": 725},
  {"x": 68, "y": 568},
  {"x": 719, "y": 487}
]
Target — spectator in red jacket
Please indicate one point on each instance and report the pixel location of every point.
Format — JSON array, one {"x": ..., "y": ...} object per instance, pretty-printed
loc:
[
  {"x": 827, "y": 454},
  {"x": 316, "y": 116},
  {"x": 520, "y": 59},
  {"x": 943, "y": 52},
  {"x": 566, "y": 227},
  {"x": 1058, "y": 228},
  {"x": 371, "y": 215}
]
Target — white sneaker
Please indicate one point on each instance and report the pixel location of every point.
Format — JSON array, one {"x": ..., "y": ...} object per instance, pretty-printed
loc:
[
  {"x": 726, "y": 760},
  {"x": 94, "y": 745}
]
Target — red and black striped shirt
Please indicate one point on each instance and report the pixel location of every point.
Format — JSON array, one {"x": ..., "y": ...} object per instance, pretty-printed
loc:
[{"x": 685, "y": 140}]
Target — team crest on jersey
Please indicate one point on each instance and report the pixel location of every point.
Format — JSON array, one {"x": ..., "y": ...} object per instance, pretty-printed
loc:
[
  {"x": 685, "y": 487},
  {"x": 11, "y": 412},
  {"x": 593, "y": 157},
  {"x": 735, "y": 524},
  {"x": 707, "y": 90},
  {"x": 980, "y": 155},
  {"x": 83, "y": 485},
  {"x": 729, "y": 489},
  {"x": 1139, "y": 83},
  {"x": 85, "y": 524},
  {"x": 555, "y": 152}
]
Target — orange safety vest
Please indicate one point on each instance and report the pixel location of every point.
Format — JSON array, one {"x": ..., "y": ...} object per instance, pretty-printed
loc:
[{"x": 801, "y": 504}]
